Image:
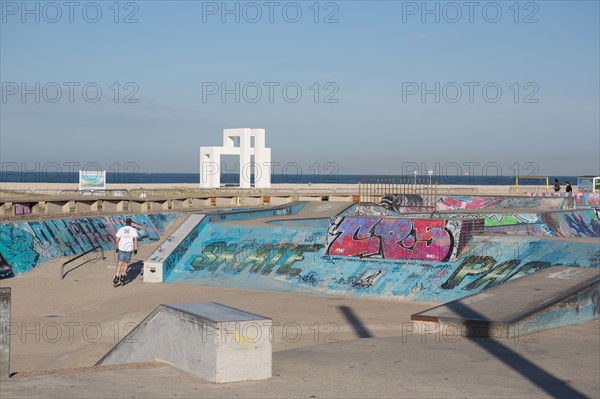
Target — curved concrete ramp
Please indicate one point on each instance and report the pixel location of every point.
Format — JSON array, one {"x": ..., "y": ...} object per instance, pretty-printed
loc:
[
  {"x": 447, "y": 203},
  {"x": 207, "y": 339},
  {"x": 414, "y": 203},
  {"x": 28, "y": 244},
  {"x": 580, "y": 223},
  {"x": 295, "y": 259},
  {"x": 555, "y": 297}
]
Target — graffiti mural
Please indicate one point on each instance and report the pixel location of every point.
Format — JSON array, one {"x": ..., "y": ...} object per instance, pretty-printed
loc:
[
  {"x": 534, "y": 230},
  {"x": 275, "y": 257},
  {"x": 24, "y": 245},
  {"x": 393, "y": 204},
  {"x": 402, "y": 202},
  {"x": 447, "y": 203},
  {"x": 587, "y": 199},
  {"x": 182, "y": 248},
  {"x": 23, "y": 208},
  {"x": 417, "y": 259},
  {"x": 394, "y": 238},
  {"x": 254, "y": 258},
  {"x": 584, "y": 223},
  {"x": 579, "y": 223},
  {"x": 581, "y": 199},
  {"x": 368, "y": 278},
  {"x": 494, "y": 219},
  {"x": 262, "y": 255},
  {"x": 5, "y": 268}
]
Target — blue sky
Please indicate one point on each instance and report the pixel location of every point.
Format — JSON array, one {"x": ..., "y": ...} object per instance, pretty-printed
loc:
[{"x": 370, "y": 63}]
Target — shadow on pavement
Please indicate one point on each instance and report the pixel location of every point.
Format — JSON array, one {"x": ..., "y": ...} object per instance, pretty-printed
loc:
[
  {"x": 552, "y": 385},
  {"x": 133, "y": 271},
  {"x": 361, "y": 330}
]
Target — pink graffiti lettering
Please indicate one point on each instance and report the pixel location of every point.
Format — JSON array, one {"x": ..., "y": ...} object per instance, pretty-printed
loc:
[
  {"x": 396, "y": 238},
  {"x": 392, "y": 239},
  {"x": 355, "y": 237},
  {"x": 433, "y": 241}
]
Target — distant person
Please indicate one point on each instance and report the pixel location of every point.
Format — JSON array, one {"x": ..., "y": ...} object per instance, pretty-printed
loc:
[
  {"x": 568, "y": 188},
  {"x": 126, "y": 243},
  {"x": 556, "y": 186}
]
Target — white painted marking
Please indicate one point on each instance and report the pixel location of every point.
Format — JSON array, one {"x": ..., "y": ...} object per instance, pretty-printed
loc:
[{"x": 570, "y": 274}]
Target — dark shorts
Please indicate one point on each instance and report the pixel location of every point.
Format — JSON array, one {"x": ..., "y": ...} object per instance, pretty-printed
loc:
[{"x": 125, "y": 256}]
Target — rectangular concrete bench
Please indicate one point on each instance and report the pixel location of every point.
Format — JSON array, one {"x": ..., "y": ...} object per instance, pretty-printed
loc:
[{"x": 213, "y": 341}]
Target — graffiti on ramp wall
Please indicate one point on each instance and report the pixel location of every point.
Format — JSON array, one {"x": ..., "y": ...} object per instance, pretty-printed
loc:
[
  {"x": 399, "y": 238},
  {"x": 296, "y": 260},
  {"x": 579, "y": 223},
  {"x": 24, "y": 245}
]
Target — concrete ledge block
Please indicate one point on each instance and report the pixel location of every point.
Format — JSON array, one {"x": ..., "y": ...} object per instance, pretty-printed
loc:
[
  {"x": 160, "y": 263},
  {"x": 207, "y": 339}
]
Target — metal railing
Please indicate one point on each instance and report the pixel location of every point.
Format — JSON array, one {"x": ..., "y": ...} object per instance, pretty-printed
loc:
[
  {"x": 400, "y": 193},
  {"x": 62, "y": 267}
]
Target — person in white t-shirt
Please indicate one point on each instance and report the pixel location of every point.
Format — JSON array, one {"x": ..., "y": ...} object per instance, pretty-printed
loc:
[{"x": 126, "y": 244}]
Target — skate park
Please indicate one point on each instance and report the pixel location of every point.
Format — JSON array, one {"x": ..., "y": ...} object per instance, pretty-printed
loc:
[{"x": 396, "y": 296}]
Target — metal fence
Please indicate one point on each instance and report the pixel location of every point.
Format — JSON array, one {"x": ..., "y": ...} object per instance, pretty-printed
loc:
[{"x": 400, "y": 193}]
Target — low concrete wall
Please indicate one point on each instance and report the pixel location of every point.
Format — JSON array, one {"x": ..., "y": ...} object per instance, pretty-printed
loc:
[
  {"x": 251, "y": 201},
  {"x": 225, "y": 202},
  {"x": 280, "y": 200},
  {"x": 58, "y": 207},
  {"x": 113, "y": 206}
]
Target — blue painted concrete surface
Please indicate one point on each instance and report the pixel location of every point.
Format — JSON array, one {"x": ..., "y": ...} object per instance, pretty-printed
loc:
[
  {"x": 24, "y": 245},
  {"x": 294, "y": 259}
]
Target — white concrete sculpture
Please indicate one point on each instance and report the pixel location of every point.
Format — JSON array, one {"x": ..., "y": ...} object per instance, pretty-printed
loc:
[{"x": 250, "y": 142}]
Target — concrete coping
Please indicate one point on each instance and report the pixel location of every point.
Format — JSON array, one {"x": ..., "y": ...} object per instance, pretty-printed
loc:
[{"x": 215, "y": 312}]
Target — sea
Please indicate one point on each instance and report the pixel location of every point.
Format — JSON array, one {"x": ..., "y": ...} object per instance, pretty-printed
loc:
[{"x": 231, "y": 179}]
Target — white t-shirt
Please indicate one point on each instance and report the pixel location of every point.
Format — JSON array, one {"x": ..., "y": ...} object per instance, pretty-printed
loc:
[{"x": 126, "y": 235}]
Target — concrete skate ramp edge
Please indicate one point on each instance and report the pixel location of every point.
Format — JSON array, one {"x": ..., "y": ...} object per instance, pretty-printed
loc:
[
  {"x": 210, "y": 340},
  {"x": 248, "y": 214},
  {"x": 555, "y": 297}
]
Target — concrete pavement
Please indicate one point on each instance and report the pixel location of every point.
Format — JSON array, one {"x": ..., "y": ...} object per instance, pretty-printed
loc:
[{"x": 323, "y": 346}]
